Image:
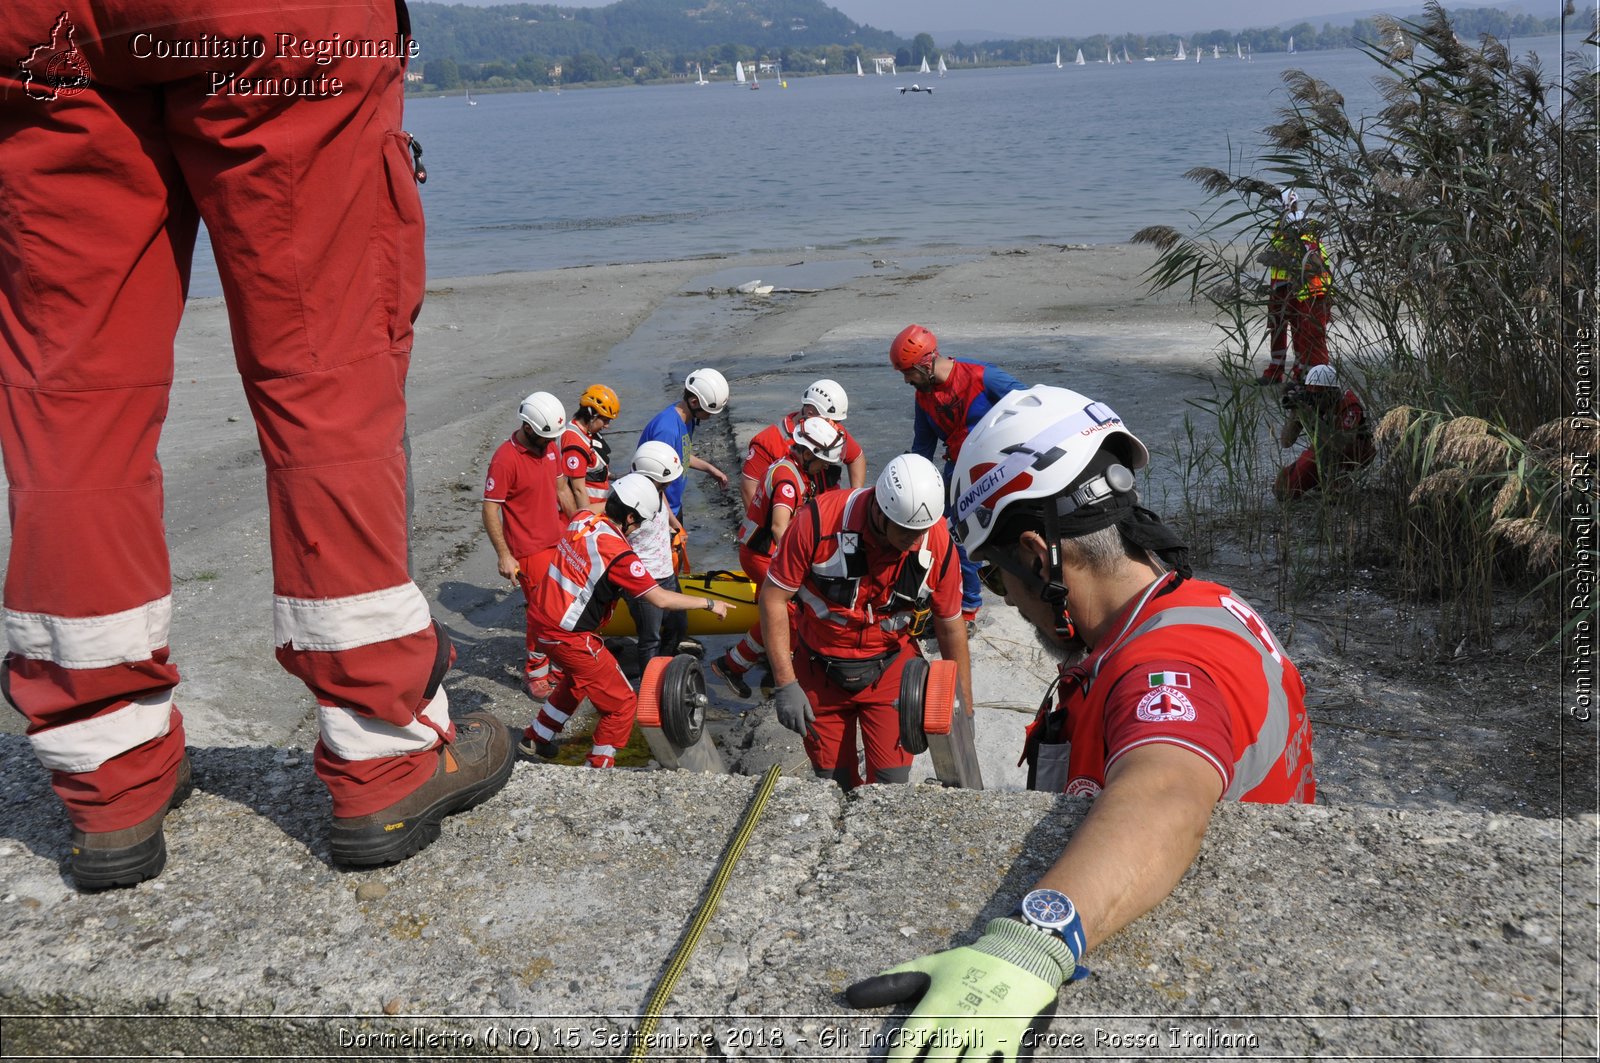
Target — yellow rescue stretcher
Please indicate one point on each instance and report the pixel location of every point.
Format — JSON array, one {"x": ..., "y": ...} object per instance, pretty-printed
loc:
[{"x": 734, "y": 588}]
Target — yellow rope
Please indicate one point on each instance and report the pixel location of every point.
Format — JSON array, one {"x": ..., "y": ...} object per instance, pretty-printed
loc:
[{"x": 702, "y": 918}]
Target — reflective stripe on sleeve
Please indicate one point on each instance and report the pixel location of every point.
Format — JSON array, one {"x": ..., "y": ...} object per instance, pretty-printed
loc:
[
  {"x": 87, "y": 744},
  {"x": 332, "y": 624},
  {"x": 91, "y": 641},
  {"x": 354, "y": 736}
]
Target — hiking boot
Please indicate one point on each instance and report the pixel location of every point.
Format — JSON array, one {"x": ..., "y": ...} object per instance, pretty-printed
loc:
[
  {"x": 469, "y": 771},
  {"x": 540, "y": 689},
  {"x": 101, "y": 860},
  {"x": 534, "y": 746},
  {"x": 730, "y": 675},
  {"x": 692, "y": 646}
]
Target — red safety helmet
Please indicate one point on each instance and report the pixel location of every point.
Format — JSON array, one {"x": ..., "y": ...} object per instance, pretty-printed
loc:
[{"x": 914, "y": 346}]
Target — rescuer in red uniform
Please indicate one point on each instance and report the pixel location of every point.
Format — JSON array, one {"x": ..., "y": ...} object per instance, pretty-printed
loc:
[
  {"x": 1173, "y": 695},
  {"x": 786, "y": 485},
  {"x": 824, "y": 398},
  {"x": 578, "y": 583},
  {"x": 866, "y": 571},
  {"x": 117, "y": 137}
]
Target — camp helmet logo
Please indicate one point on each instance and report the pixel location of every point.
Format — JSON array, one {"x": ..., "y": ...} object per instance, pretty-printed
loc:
[{"x": 56, "y": 68}]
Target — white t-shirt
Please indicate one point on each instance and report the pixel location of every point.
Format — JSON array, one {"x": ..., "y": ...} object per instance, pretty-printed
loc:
[{"x": 652, "y": 541}]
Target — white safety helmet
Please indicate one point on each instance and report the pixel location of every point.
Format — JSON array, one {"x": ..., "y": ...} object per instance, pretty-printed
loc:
[
  {"x": 637, "y": 493},
  {"x": 827, "y": 397},
  {"x": 820, "y": 437},
  {"x": 544, "y": 415},
  {"x": 710, "y": 387},
  {"x": 910, "y": 492},
  {"x": 1032, "y": 445},
  {"x": 657, "y": 460},
  {"x": 1321, "y": 376},
  {"x": 1292, "y": 210}
]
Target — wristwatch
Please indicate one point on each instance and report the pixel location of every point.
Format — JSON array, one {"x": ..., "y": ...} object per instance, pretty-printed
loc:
[{"x": 1052, "y": 912}]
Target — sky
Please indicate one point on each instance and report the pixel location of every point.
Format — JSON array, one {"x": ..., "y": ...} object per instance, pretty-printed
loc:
[{"x": 1077, "y": 18}]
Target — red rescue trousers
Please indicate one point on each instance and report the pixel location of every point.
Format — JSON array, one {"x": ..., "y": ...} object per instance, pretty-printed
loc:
[
  {"x": 876, "y": 710},
  {"x": 1307, "y": 320},
  {"x": 111, "y": 153},
  {"x": 587, "y": 671}
]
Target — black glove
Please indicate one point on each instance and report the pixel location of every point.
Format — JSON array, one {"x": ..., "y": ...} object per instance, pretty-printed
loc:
[{"x": 794, "y": 710}]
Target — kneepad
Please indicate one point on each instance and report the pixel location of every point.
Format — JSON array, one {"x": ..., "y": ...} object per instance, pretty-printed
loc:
[{"x": 894, "y": 775}]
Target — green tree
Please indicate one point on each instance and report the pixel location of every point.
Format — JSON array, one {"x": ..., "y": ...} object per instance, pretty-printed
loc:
[
  {"x": 922, "y": 47},
  {"x": 444, "y": 73}
]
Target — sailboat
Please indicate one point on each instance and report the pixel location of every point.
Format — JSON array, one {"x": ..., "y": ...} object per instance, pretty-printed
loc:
[
  {"x": 1291, "y": 44},
  {"x": 1180, "y": 57},
  {"x": 859, "y": 73},
  {"x": 470, "y": 101},
  {"x": 755, "y": 76},
  {"x": 1079, "y": 60},
  {"x": 923, "y": 69},
  {"x": 1058, "y": 58},
  {"x": 699, "y": 76},
  {"x": 1216, "y": 51},
  {"x": 942, "y": 67},
  {"x": 1238, "y": 49},
  {"x": 1110, "y": 59},
  {"x": 738, "y": 71},
  {"x": 1125, "y": 58}
]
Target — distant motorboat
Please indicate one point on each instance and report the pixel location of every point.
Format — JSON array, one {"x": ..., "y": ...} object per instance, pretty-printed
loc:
[{"x": 1079, "y": 60}]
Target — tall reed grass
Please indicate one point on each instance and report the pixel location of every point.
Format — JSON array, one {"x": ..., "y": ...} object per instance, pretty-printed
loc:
[{"x": 1461, "y": 221}]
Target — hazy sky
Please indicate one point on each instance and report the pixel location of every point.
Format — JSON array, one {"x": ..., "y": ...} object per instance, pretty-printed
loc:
[{"x": 1073, "y": 18}]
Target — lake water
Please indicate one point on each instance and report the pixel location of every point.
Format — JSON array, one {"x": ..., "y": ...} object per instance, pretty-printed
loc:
[{"x": 1086, "y": 154}]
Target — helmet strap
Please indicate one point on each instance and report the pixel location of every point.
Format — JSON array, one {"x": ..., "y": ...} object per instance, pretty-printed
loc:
[{"x": 1054, "y": 590}]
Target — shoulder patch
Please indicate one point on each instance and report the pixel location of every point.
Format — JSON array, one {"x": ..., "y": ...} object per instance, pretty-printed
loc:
[{"x": 1165, "y": 704}]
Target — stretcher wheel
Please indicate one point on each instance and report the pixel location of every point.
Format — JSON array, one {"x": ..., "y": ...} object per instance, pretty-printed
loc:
[
  {"x": 913, "y": 688},
  {"x": 672, "y": 696},
  {"x": 939, "y": 698},
  {"x": 648, "y": 709}
]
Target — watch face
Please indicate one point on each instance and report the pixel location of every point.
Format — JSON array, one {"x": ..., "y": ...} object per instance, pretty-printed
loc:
[{"x": 1048, "y": 908}]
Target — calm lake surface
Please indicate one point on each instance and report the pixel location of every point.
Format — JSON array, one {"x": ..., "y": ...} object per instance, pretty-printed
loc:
[{"x": 1086, "y": 154}]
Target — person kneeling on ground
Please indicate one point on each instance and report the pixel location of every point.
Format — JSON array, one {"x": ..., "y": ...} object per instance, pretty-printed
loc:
[
  {"x": 1338, "y": 437},
  {"x": 1184, "y": 698},
  {"x": 815, "y": 447},
  {"x": 868, "y": 568},
  {"x": 583, "y": 575}
]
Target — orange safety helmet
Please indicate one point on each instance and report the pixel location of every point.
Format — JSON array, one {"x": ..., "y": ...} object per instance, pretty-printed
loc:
[
  {"x": 601, "y": 400},
  {"x": 913, "y": 347}
]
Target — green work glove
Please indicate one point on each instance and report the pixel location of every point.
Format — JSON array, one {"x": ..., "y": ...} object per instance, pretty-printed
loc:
[{"x": 992, "y": 996}]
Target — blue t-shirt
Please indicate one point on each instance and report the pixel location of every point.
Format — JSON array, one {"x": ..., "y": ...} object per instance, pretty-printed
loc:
[{"x": 669, "y": 427}]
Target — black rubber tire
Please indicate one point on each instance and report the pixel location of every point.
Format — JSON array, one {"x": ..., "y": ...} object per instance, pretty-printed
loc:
[
  {"x": 683, "y": 706},
  {"x": 913, "y": 685}
]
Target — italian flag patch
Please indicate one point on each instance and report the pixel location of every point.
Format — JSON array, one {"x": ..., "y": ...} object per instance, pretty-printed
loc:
[{"x": 1169, "y": 679}]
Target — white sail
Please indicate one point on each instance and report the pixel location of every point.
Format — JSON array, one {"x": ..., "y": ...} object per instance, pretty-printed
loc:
[
  {"x": 1109, "y": 57},
  {"x": 1238, "y": 49},
  {"x": 1180, "y": 57},
  {"x": 1058, "y": 58},
  {"x": 738, "y": 71},
  {"x": 1125, "y": 58},
  {"x": 923, "y": 69},
  {"x": 699, "y": 76},
  {"x": 1216, "y": 51},
  {"x": 1079, "y": 60},
  {"x": 1291, "y": 44},
  {"x": 942, "y": 67},
  {"x": 859, "y": 74}
]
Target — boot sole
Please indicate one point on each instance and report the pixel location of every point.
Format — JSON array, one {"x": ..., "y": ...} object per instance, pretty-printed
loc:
[
  {"x": 367, "y": 847},
  {"x": 104, "y": 869}
]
